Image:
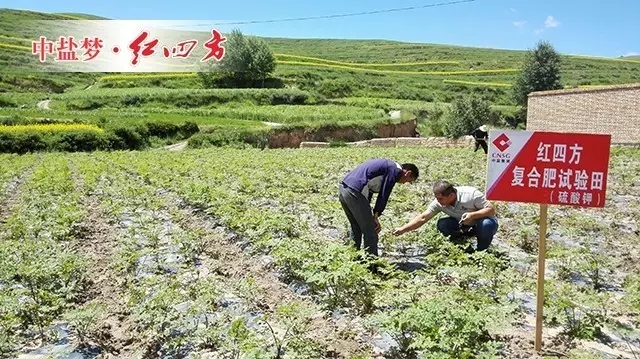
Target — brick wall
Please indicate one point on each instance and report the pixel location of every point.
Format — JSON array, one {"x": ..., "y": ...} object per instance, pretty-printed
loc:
[{"x": 611, "y": 110}]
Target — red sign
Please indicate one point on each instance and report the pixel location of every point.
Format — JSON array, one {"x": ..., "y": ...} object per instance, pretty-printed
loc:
[{"x": 548, "y": 167}]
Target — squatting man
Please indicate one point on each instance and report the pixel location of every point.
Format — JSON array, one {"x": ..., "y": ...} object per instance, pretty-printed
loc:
[{"x": 469, "y": 213}]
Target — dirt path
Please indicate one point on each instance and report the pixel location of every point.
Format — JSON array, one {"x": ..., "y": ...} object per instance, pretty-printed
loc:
[
  {"x": 99, "y": 247},
  {"x": 14, "y": 191},
  {"x": 272, "y": 124},
  {"x": 44, "y": 104},
  {"x": 177, "y": 146}
]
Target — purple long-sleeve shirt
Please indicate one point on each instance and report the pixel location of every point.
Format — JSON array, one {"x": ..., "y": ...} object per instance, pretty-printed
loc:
[{"x": 378, "y": 175}]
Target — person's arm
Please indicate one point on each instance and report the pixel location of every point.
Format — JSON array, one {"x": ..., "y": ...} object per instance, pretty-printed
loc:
[
  {"x": 388, "y": 182},
  {"x": 484, "y": 208},
  {"x": 419, "y": 220}
]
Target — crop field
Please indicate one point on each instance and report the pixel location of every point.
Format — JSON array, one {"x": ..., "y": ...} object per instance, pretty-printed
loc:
[{"x": 241, "y": 253}]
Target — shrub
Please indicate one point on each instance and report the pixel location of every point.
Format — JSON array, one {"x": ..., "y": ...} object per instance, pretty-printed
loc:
[
  {"x": 435, "y": 123},
  {"x": 131, "y": 137},
  {"x": 5, "y": 102},
  {"x": 165, "y": 129},
  {"x": 81, "y": 137},
  {"x": 231, "y": 137},
  {"x": 132, "y": 100},
  {"x": 467, "y": 114}
]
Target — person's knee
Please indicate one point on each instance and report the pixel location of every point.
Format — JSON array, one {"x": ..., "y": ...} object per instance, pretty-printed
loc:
[
  {"x": 487, "y": 227},
  {"x": 441, "y": 225},
  {"x": 446, "y": 226}
]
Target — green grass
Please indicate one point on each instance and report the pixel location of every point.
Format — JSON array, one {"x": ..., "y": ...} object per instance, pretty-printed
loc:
[
  {"x": 130, "y": 117},
  {"x": 220, "y": 115},
  {"x": 340, "y": 68},
  {"x": 325, "y": 82}
]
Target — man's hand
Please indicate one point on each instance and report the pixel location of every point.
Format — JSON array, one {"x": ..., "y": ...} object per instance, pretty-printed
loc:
[
  {"x": 398, "y": 231},
  {"x": 467, "y": 218},
  {"x": 378, "y": 227}
]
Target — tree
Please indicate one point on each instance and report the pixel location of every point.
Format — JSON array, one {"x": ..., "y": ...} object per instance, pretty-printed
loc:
[
  {"x": 541, "y": 72},
  {"x": 247, "y": 60},
  {"x": 466, "y": 114}
]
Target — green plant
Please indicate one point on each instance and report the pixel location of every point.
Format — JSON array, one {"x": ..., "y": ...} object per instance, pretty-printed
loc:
[
  {"x": 447, "y": 325},
  {"x": 85, "y": 322},
  {"x": 582, "y": 312},
  {"x": 465, "y": 115},
  {"x": 541, "y": 71}
]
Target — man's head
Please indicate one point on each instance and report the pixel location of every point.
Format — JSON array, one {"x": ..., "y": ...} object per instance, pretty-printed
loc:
[
  {"x": 445, "y": 193},
  {"x": 410, "y": 173}
]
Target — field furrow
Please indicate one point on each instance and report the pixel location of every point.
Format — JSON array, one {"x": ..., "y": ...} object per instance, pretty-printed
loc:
[
  {"x": 41, "y": 276},
  {"x": 195, "y": 252},
  {"x": 14, "y": 171}
]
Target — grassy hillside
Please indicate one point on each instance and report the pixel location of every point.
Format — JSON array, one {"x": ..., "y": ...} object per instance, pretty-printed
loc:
[
  {"x": 319, "y": 82},
  {"x": 336, "y": 68}
]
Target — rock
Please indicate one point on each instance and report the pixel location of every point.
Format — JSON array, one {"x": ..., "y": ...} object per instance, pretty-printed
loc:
[
  {"x": 333, "y": 233},
  {"x": 409, "y": 141},
  {"x": 384, "y": 343},
  {"x": 383, "y": 142},
  {"x": 364, "y": 143},
  {"x": 308, "y": 144}
]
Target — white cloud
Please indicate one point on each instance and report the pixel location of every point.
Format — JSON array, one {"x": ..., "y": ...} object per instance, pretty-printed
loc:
[
  {"x": 631, "y": 54},
  {"x": 512, "y": 9},
  {"x": 548, "y": 24},
  {"x": 519, "y": 24},
  {"x": 551, "y": 22}
]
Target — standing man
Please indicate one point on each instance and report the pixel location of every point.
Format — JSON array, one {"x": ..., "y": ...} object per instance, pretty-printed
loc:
[
  {"x": 481, "y": 135},
  {"x": 470, "y": 213},
  {"x": 356, "y": 191}
]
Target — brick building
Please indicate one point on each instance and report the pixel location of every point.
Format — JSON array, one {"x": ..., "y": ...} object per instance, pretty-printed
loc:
[{"x": 610, "y": 109}]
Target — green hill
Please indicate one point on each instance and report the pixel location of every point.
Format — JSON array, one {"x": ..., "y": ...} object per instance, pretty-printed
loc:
[
  {"x": 336, "y": 68},
  {"x": 318, "y": 82}
]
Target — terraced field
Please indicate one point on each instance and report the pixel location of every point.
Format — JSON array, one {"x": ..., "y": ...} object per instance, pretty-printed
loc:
[
  {"x": 344, "y": 68},
  {"x": 330, "y": 83}
]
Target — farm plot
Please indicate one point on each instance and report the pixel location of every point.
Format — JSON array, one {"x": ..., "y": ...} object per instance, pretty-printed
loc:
[{"x": 242, "y": 251}]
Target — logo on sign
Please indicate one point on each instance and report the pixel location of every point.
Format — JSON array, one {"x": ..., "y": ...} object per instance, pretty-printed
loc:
[{"x": 502, "y": 142}]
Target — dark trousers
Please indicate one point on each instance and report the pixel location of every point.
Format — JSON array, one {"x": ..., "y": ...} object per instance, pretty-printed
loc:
[
  {"x": 360, "y": 216},
  {"x": 484, "y": 228},
  {"x": 483, "y": 144}
]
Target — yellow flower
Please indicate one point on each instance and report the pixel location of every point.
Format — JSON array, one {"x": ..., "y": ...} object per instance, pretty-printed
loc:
[{"x": 57, "y": 127}]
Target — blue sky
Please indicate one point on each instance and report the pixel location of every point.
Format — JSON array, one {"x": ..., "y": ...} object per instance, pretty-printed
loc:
[{"x": 584, "y": 27}]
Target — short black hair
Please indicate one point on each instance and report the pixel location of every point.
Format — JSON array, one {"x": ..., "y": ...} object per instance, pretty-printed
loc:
[
  {"x": 412, "y": 168},
  {"x": 443, "y": 188}
]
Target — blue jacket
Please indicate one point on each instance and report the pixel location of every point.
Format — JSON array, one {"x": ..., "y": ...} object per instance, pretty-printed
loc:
[{"x": 374, "y": 176}]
